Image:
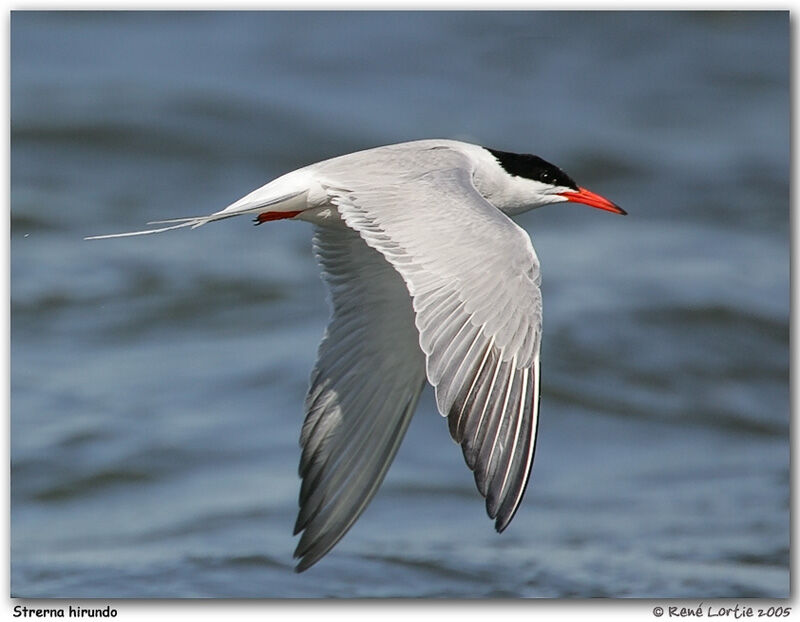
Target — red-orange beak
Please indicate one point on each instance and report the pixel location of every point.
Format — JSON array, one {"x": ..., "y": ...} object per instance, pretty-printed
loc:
[{"x": 587, "y": 197}]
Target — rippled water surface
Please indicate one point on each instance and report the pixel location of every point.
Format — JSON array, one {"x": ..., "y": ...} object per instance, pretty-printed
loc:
[{"x": 157, "y": 383}]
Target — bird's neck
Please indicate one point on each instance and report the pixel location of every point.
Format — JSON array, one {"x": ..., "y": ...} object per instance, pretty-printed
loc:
[{"x": 511, "y": 195}]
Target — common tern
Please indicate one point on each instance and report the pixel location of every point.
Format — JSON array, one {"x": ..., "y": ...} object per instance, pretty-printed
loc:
[{"x": 429, "y": 280}]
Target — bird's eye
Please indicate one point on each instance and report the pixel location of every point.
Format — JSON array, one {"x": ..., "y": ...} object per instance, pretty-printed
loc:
[{"x": 545, "y": 176}]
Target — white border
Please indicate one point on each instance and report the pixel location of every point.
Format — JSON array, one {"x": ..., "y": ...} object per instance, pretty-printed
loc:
[{"x": 352, "y": 610}]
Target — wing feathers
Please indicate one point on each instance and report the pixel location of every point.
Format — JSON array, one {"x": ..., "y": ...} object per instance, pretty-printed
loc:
[
  {"x": 329, "y": 526},
  {"x": 492, "y": 447},
  {"x": 329, "y": 473},
  {"x": 363, "y": 392},
  {"x": 475, "y": 313},
  {"x": 520, "y": 467},
  {"x": 458, "y": 368},
  {"x": 474, "y": 281}
]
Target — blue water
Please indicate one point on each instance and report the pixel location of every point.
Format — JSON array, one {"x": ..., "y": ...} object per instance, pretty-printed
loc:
[{"x": 157, "y": 383}]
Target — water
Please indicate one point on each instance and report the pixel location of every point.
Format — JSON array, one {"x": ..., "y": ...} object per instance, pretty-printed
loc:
[{"x": 157, "y": 383}]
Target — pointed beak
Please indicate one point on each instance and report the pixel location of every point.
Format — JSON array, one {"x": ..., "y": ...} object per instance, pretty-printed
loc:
[{"x": 587, "y": 197}]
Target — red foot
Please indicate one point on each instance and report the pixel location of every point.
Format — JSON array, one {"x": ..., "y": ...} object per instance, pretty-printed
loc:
[{"x": 267, "y": 216}]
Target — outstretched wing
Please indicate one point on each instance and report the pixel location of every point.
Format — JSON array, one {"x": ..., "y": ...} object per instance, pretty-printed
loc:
[
  {"x": 364, "y": 389},
  {"x": 474, "y": 279}
]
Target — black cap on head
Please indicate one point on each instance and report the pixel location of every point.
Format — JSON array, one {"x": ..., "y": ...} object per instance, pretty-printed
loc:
[{"x": 533, "y": 167}]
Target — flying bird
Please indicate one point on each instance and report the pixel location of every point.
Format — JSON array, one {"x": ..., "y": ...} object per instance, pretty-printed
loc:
[{"x": 430, "y": 280}]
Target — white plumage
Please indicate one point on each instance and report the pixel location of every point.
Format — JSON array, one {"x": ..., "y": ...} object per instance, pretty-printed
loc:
[{"x": 429, "y": 278}]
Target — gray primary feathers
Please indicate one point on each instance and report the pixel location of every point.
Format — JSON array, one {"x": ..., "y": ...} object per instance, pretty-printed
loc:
[{"x": 474, "y": 313}]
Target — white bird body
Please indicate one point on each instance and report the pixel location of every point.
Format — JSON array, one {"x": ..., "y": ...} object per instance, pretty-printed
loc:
[{"x": 429, "y": 279}]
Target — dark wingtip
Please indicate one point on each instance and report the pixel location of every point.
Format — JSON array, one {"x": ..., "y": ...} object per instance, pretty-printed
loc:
[
  {"x": 300, "y": 568},
  {"x": 500, "y": 525},
  {"x": 299, "y": 524},
  {"x": 305, "y": 561}
]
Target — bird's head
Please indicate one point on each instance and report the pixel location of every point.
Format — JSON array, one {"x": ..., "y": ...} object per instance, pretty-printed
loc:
[{"x": 543, "y": 183}]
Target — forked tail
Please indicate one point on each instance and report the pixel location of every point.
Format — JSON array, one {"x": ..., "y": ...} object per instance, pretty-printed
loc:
[{"x": 246, "y": 205}]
